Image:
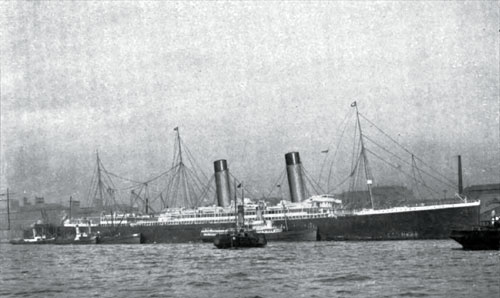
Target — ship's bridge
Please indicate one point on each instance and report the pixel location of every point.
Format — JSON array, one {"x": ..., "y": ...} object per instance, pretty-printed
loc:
[
  {"x": 317, "y": 201},
  {"x": 327, "y": 200}
]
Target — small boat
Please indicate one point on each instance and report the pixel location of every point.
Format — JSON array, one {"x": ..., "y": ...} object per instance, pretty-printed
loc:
[
  {"x": 240, "y": 239},
  {"x": 36, "y": 240},
  {"x": 271, "y": 231},
  {"x": 266, "y": 227},
  {"x": 486, "y": 236},
  {"x": 79, "y": 237},
  {"x": 118, "y": 238},
  {"x": 40, "y": 236}
]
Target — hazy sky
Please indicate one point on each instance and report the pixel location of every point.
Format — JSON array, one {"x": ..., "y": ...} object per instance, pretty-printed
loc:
[{"x": 244, "y": 81}]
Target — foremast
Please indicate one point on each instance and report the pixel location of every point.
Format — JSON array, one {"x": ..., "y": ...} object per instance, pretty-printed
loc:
[{"x": 368, "y": 174}]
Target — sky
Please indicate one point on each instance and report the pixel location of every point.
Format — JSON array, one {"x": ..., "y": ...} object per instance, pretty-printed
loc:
[{"x": 243, "y": 81}]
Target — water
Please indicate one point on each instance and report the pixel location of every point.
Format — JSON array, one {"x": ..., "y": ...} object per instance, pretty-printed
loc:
[{"x": 308, "y": 269}]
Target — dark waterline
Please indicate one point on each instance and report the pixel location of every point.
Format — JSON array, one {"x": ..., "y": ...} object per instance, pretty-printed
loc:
[{"x": 307, "y": 269}]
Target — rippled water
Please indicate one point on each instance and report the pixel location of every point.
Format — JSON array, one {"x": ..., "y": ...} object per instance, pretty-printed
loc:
[{"x": 308, "y": 269}]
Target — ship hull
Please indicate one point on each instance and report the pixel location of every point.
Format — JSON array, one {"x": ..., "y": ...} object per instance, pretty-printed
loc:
[
  {"x": 121, "y": 239},
  {"x": 84, "y": 241},
  {"x": 293, "y": 235},
  {"x": 414, "y": 224},
  {"x": 418, "y": 224},
  {"x": 481, "y": 239}
]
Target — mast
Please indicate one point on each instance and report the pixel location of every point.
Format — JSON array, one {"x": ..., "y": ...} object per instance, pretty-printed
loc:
[
  {"x": 184, "y": 184},
  {"x": 241, "y": 211},
  {"x": 179, "y": 142},
  {"x": 235, "y": 206},
  {"x": 99, "y": 181},
  {"x": 460, "y": 183},
  {"x": 363, "y": 153},
  {"x": 242, "y": 206},
  {"x": 70, "y": 205},
  {"x": 8, "y": 210},
  {"x": 111, "y": 211},
  {"x": 146, "y": 194},
  {"x": 182, "y": 170}
]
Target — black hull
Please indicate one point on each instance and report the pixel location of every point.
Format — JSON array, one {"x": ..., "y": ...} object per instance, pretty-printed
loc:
[
  {"x": 239, "y": 240},
  {"x": 420, "y": 224},
  {"x": 482, "y": 239},
  {"x": 121, "y": 239},
  {"x": 293, "y": 235}
]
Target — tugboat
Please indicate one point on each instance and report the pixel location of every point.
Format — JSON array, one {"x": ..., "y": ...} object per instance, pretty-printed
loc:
[
  {"x": 266, "y": 227},
  {"x": 240, "y": 237},
  {"x": 79, "y": 238},
  {"x": 40, "y": 235},
  {"x": 486, "y": 236},
  {"x": 260, "y": 227}
]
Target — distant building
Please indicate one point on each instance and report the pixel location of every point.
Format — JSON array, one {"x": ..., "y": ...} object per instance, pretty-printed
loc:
[
  {"x": 489, "y": 194},
  {"x": 22, "y": 217},
  {"x": 75, "y": 204},
  {"x": 14, "y": 205},
  {"x": 39, "y": 201},
  {"x": 25, "y": 216}
]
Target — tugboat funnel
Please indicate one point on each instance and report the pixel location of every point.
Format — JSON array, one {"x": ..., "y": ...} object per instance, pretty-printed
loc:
[
  {"x": 222, "y": 183},
  {"x": 295, "y": 179}
]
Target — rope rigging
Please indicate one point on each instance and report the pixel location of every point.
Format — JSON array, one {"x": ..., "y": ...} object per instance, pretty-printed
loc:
[
  {"x": 360, "y": 171},
  {"x": 408, "y": 151},
  {"x": 413, "y": 164},
  {"x": 344, "y": 125},
  {"x": 182, "y": 187},
  {"x": 395, "y": 167},
  {"x": 278, "y": 183},
  {"x": 314, "y": 185},
  {"x": 238, "y": 182},
  {"x": 351, "y": 175}
]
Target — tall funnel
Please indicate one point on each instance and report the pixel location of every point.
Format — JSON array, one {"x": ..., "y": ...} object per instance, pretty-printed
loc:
[
  {"x": 222, "y": 183},
  {"x": 295, "y": 180}
]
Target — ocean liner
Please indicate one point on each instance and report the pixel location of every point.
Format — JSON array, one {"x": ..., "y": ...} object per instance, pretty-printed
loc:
[{"x": 330, "y": 215}]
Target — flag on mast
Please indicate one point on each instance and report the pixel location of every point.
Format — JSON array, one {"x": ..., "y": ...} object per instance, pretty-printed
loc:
[
  {"x": 353, "y": 104},
  {"x": 176, "y": 128}
]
